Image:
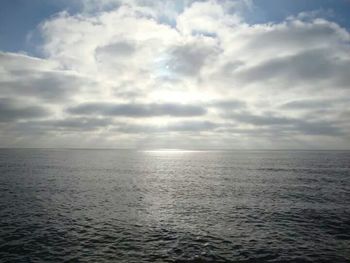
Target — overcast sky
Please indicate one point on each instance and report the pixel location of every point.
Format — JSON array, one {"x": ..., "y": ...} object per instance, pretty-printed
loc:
[{"x": 175, "y": 74}]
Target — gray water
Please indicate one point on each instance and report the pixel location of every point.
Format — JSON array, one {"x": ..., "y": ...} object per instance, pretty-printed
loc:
[{"x": 134, "y": 206}]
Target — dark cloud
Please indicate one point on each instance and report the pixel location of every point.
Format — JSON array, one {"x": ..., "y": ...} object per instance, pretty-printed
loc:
[
  {"x": 306, "y": 104},
  {"x": 193, "y": 126},
  {"x": 296, "y": 34},
  {"x": 188, "y": 59},
  {"x": 313, "y": 104},
  {"x": 13, "y": 110},
  {"x": 310, "y": 66},
  {"x": 261, "y": 120},
  {"x": 47, "y": 85},
  {"x": 310, "y": 127},
  {"x": 117, "y": 49},
  {"x": 229, "y": 104},
  {"x": 137, "y": 128},
  {"x": 138, "y": 109},
  {"x": 318, "y": 128},
  {"x": 262, "y": 131},
  {"x": 185, "y": 126},
  {"x": 80, "y": 124},
  {"x": 25, "y": 76}
]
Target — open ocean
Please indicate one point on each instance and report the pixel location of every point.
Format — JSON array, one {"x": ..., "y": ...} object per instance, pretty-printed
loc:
[{"x": 154, "y": 206}]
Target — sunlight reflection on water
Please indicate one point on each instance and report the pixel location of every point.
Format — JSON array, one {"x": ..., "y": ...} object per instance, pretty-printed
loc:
[{"x": 174, "y": 205}]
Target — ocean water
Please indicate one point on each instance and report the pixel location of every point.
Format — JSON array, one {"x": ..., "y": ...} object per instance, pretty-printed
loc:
[{"x": 158, "y": 206}]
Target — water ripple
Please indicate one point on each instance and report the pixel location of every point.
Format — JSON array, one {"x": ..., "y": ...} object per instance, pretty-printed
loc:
[{"x": 126, "y": 206}]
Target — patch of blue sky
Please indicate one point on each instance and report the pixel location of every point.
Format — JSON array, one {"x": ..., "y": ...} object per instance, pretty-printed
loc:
[
  {"x": 19, "y": 18},
  {"x": 275, "y": 11}
]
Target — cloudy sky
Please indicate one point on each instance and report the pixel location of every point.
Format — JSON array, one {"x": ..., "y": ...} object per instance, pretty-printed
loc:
[{"x": 237, "y": 74}]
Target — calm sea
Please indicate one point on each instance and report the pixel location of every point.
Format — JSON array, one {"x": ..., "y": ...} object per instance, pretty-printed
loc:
[{"x": 204, "y": 206}]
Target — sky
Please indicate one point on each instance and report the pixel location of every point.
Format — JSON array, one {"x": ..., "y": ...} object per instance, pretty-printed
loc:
[{"x": 228, "y": 74}]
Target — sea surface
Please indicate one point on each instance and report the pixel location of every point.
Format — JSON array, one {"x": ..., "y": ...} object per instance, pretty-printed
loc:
[{"x": 174, "y": 206}]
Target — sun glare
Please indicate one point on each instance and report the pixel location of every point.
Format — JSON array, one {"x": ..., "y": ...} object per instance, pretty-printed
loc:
[{"x": 170, "y": 151}]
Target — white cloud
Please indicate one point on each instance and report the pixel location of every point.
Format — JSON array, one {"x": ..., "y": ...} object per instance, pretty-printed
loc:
[{"x": 194, "y": 69}]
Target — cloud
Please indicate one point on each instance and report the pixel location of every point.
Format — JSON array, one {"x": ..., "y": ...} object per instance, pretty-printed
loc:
[
  {"x": 50, "y": 86},
  {"x": 188, "y": 59},
  {"x": 189, "y": 72},
  {"x": 309, "y": 127},
  {"x": 308, "y": 54},
  {"x": 314, "y": 104},
  {"x": 228, "y": 104},
  {"x": 309, "y": 66},
  {"x": 194, "y": 126},
  {"x": 178, "y": 127},
  {"x": 206, "y": 17},
  {"x": 137, "y": 109},
  {"x": 119, "y": 49},
  {"x": 295, "y": 35},
  {"x": 25, "y": 76},
  {"x": 13, "y": 110},
  {"x": 70, "y": 124}
]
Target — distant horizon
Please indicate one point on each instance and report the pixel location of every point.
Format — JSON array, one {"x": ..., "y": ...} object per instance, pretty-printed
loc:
[{"x": 169, "y": 149}]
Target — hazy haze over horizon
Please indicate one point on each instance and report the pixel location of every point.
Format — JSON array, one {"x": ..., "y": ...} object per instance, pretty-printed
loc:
[{"x": 175, "y": 74}]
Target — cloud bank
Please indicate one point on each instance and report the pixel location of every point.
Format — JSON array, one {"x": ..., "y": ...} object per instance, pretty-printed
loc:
[{"x": 193, "y": 74}]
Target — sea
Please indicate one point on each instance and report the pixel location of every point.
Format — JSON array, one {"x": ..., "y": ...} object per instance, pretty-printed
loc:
[{"x": 81, "y": 205}]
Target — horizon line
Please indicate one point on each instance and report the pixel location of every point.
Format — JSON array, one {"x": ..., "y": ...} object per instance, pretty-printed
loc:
[{"x": 166, "y": 149}]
